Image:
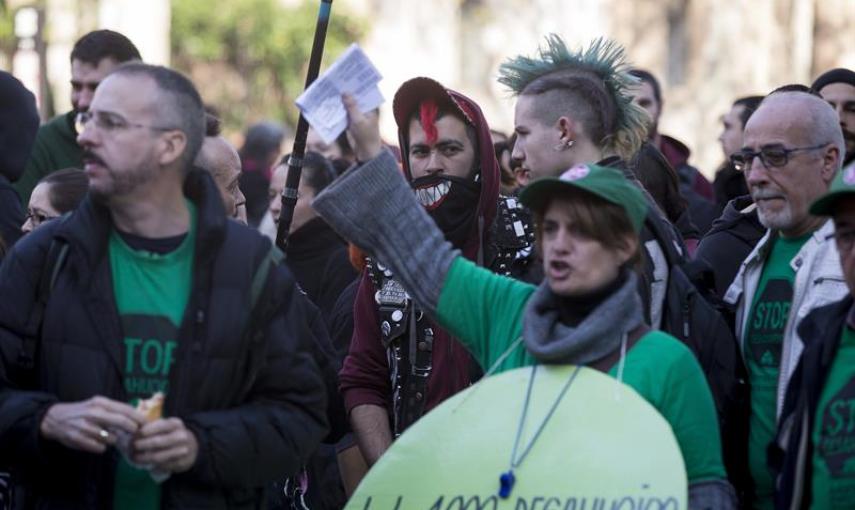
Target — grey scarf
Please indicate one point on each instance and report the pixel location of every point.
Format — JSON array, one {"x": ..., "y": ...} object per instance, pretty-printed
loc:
[{"x": 599, "y": 334}]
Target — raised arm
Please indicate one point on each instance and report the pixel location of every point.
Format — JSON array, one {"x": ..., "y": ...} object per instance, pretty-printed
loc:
[{"x": 372, "y": 206}]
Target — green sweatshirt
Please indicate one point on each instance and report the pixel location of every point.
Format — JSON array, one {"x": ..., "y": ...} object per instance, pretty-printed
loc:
[
  {"x": 55, "y": 148},
  {"x": 485, "y": 312}
]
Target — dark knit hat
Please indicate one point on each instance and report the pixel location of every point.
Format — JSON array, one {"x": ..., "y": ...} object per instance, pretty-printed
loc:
[
  {"x": 19, "y": 122},
  {"x": 839, "y": 75}
]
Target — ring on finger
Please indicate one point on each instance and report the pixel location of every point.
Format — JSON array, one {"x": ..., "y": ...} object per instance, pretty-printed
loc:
[{"x": 103, "y": 434}]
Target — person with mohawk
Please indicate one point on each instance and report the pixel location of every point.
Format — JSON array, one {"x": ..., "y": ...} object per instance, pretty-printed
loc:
[
  {"x": 400, "y": 364},
  {"x": 576, "y": 107}
]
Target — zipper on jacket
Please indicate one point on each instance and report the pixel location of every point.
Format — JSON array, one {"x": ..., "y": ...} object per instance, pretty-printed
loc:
[
  {"x": 686, "y": 320},
  {"x": 200, "y": 319},
  {"x": 822, "y": 279}
]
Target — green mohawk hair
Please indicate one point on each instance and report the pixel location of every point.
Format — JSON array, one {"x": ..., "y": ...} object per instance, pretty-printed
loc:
[{"x": 603, "y": 58}]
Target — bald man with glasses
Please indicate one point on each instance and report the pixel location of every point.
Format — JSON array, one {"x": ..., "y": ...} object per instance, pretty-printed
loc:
[{"x": 792, "y": 150}]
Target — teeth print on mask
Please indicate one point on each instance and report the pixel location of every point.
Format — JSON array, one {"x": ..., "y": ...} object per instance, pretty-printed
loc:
[
  {"x": 452, "y": 202},
  {"x": 432, "y": 196}
]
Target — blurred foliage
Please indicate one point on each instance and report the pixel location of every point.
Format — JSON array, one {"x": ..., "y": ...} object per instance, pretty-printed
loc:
[
  {"x": 249, "y": 57},
  {"x": 8, "y": 40}
]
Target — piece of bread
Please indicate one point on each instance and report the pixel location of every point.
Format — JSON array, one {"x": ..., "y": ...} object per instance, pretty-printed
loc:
[{"x": 152, "y": 407}]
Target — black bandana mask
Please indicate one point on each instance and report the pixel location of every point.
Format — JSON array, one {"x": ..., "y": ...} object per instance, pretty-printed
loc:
[{"x": 452, "y": 202}]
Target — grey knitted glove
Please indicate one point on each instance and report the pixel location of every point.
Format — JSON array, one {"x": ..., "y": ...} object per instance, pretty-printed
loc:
[
  {"x": 373, "y": 207},
  {"x": 712, "y": 495}
]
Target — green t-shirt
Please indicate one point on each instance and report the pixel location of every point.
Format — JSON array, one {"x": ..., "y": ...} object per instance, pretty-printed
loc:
[
  {"x": 485, "y": 312},
  {"x": 833, "y": 484},
  {"x": 764, "y": 334},
  {"x": 151, "y": 293}
]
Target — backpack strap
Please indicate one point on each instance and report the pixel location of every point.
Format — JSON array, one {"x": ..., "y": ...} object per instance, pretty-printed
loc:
[
  {"x": 667, "y": 237},
  {"x": 605, "y": 363},
  {"x": 273, "y": 258},
  {"x": 56, "y": 256},
  {"x": 252, "y": 332}
]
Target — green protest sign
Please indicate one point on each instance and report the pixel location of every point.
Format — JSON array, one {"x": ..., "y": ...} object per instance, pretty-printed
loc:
[{"x": 603, "y": 448}]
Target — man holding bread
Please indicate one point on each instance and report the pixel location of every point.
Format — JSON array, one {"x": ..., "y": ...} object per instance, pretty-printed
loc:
[{"x": 152, "y": 352}]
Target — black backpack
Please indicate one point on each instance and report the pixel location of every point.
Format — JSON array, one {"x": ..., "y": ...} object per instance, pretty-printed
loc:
[{"x": 699, "y": 320}]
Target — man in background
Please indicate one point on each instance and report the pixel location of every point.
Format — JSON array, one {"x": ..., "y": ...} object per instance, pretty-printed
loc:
[
  {"x": 220, "y": 158},
  {"x": 730, "y": 184},
  {"x": 694, "y": 187},
  {"x": 837, "y": 87},
  {"x": 93, "y": 57}
]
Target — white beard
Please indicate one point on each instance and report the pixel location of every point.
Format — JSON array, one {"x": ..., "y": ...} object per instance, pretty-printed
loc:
[{"x": 781, "y": 219}]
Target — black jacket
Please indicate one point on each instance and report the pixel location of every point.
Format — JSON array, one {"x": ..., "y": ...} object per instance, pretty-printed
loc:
[
  {"x": 729, "y": 184},
  {"x": 728, "y": 243},
  {"x": 318, "y": 258},
  {"x": 702, "y": 211},
  {"x": 255, "y": 402},
  {"x": 19, "y": 122},
  {"x": 790, "y": 456},
  {"x": 11, "y": 213}
]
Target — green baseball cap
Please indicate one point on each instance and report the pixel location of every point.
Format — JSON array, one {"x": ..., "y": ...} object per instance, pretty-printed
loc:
[
  {"x": 607, "y": 183},
  {"x": 843, "y": 185}
]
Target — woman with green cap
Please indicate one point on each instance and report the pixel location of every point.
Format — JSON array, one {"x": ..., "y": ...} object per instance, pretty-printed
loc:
[{"x": 586, "y": 312}]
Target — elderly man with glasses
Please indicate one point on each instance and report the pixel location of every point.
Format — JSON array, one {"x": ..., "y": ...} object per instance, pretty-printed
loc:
[{"x": 792, "y": 149}]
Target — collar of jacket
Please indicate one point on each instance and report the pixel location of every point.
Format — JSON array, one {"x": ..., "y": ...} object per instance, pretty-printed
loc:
[
  {"x": 88, "y": 228},
  {"x": 825, "y": 324},
  {"x": 313, "y": 239},
  {"x": 821, "y": 330},
  {"x": 759, "y": 253},
  {"x": 600, "y": 333}
]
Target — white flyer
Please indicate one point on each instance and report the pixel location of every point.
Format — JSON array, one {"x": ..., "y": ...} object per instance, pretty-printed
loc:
[{"x": 321, "y": 104}]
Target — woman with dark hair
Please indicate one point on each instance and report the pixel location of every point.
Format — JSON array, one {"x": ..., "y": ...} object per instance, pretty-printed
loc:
[
  {"x": 503, "y": 150},
  {"x": 262, "y": 145},
  {"x": 586, "y": 311},
  {"x": 55, "y": 195},
  {"x": 659, "y": 178},
  {"x": 319, "y": 260},
  {"x": 316, "y": 254}
]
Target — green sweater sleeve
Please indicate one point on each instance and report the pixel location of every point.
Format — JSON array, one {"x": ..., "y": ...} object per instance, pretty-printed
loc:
[
  {"x": 484, "y": 312},
  {"x": 679, "y": 391},
  {"x": 692, "y": 414}
]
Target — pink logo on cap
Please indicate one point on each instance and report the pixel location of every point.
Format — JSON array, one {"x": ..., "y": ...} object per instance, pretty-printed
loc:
[
  {"x": 849, "y": 176},
  {"x": 576, "y": 173}
]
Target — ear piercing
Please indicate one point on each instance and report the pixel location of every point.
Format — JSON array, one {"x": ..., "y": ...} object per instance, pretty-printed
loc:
[{"x": 564, "y": 145}]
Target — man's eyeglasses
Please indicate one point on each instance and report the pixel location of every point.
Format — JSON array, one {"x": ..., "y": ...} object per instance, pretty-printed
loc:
[
  {"x": 771, "y": 157},
  {"x": 110, "y": 122}
]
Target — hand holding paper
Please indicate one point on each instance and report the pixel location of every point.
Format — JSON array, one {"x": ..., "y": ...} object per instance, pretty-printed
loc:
[
  {"x": 364, "y": 130},
  {"x": 351, "y": 74}
]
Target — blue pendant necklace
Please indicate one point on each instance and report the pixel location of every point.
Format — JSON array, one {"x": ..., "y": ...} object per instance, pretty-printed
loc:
[{"x": 507, "y": 479}]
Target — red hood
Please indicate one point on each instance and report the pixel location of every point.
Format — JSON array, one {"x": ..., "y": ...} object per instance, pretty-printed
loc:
[
  {"x": 408, "y": 97},
  {"x": 674, "y": 151}
]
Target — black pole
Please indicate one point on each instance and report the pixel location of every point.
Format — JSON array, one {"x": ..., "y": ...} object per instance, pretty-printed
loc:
[{"x": 295, "y": 162}]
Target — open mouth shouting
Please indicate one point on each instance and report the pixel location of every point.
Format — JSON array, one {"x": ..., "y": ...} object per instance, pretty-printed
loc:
[
  {"x": 432, "y": 196},
  {"x": 558, "y": 270}
]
